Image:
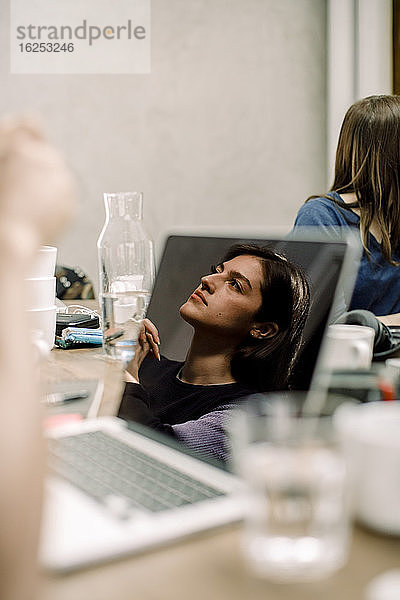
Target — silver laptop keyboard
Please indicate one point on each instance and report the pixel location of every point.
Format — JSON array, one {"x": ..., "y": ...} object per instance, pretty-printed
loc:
[{"x": 122, "y": 477}]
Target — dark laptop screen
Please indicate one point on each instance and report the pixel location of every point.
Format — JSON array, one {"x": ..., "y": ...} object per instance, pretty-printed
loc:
[{"x": 187, "y": 258}]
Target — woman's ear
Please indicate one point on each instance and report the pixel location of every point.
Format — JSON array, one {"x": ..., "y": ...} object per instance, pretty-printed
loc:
[{"x": 264, "y": 330}]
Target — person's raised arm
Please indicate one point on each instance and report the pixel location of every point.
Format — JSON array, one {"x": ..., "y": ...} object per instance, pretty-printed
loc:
[{"x": 36, "y": 199}]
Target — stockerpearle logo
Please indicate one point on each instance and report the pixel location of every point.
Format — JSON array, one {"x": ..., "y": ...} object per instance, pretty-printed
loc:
[{"x": 88, "y": 36}]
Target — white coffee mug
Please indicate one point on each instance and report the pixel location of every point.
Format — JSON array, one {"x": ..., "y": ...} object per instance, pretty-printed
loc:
[
  {"x": 370, "y": 434},
  {"x": 348, "y": 347},
  {"x": 40, "y": 292},
  {"x": 44, "y": 264},
  {"x": 42, "y": 325}
]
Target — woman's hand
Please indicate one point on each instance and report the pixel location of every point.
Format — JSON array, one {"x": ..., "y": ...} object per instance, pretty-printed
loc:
[{"x": 148, "y": 342}]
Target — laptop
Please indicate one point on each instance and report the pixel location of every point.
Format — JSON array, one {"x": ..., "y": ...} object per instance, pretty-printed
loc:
[
  {"x": 330, "y": 266},
  {"x": 114, "y": 489}
]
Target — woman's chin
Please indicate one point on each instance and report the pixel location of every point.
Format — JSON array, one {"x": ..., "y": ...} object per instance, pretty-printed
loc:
[{"x": 187, "y": 313}]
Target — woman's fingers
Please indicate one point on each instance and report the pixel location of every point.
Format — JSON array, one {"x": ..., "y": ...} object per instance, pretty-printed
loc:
[
  {"x": 142, "y": 336},
  {"x": 148, "y": 336},
  {"x": 153, "y": 345},
  {"x": 151, "y": 328}
]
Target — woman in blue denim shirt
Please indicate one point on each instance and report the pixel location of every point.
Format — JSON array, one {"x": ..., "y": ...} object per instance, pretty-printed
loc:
[{"x": 365, "y": 197}]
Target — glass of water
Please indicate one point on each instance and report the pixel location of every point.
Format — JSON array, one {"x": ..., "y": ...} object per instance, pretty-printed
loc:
[{"x": 297, "y": 524}]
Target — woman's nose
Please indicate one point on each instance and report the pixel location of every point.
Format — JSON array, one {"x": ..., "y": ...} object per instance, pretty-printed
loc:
[{"x": 208, "y": 284}]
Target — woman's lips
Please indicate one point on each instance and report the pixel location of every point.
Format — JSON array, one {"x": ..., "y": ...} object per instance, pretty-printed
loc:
[{"x": 197, "y": 295}]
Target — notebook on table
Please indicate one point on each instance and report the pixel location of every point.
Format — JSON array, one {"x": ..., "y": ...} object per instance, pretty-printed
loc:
[{"x": 113, "y": 490}]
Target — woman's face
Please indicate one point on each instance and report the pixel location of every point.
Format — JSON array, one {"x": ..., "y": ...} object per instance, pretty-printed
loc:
[{"x": 227, "y": 300}]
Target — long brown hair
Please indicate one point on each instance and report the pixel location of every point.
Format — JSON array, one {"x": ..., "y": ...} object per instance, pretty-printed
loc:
[
  {"x": 267, "y": 364},
  {"x": 368, "y": 165}
]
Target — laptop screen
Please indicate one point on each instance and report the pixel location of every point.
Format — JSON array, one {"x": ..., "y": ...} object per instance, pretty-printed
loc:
[{"x": 187, "y": 258}]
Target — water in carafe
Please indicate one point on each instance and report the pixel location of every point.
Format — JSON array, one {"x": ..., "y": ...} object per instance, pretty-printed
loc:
[{"x": 126, "y": 273}]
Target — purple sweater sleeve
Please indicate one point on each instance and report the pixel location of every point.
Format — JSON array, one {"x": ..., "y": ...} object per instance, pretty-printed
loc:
[{"x": 206, "y": 435}]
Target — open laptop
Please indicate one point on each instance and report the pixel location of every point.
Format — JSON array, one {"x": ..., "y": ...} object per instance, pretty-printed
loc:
[
  {"x": 114, "y": 490},
  {"x": 330, "y": 265}
]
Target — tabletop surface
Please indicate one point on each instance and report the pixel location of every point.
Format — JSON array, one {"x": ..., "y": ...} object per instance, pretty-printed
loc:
[{"x": 208, "y": 565}]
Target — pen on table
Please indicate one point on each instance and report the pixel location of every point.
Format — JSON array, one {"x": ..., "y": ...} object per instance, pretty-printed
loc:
[
  {"x": 112, "y": 334},
  {"x": 63, "y": 397}
]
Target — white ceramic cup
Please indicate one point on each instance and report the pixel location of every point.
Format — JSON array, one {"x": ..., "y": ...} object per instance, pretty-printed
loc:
[
  {"x": 42, "y": 325},
  {"x": 44, "y": 264},
  {"x": 40, "y": 292},
  {"x": 370, "y": 434},
  {"x": 348, "y": 347}
]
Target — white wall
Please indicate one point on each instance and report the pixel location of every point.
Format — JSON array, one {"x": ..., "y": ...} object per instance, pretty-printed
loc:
[
  {"x": 359, "y": 61},
  {"x": 229, "y": 127}
]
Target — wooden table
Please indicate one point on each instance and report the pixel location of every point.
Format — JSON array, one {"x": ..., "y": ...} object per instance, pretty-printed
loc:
[
  {"x": 85, "y": 364},
  {"x": 208, "y": 566}
]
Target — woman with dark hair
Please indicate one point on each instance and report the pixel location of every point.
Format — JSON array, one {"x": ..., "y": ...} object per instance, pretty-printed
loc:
[
  {"x": 248, "y": 316},
  {"x": 365, "y": 198}
]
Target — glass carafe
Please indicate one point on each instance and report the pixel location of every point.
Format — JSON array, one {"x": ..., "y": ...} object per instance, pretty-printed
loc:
[{"x": 126, "y": 272}]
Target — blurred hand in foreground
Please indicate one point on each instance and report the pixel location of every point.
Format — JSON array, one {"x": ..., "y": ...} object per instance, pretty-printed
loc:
[
  {"x": 37, "y": 192},
  {"x": 37, "y": 199}
]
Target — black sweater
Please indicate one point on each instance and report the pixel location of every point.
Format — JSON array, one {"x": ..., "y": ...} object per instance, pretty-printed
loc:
[{"x": 194, "y": 414}]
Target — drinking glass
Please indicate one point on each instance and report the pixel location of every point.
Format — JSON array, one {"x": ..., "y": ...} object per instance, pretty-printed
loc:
[{"x": 295, "y": 489}]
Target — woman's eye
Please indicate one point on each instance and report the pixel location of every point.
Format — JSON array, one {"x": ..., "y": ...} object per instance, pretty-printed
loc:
[{"x": 235, "y": 284}]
